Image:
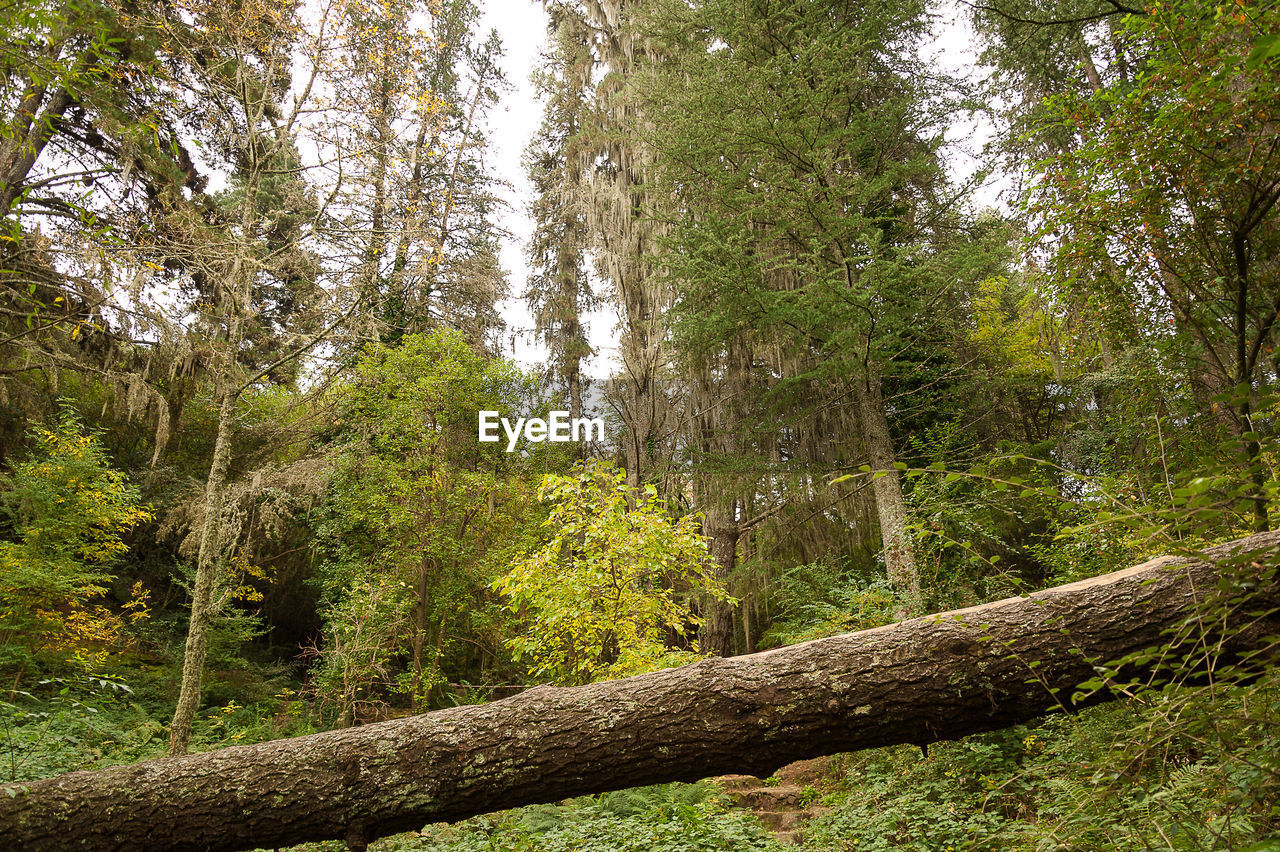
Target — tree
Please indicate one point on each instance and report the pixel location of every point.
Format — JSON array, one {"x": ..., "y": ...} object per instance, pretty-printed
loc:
[
  {"x": 93, "y": 149},
  {"x": 606, "y": 181},
  {"x": 66, "y": 512},
  {"x": 241, "y": 262},
  {"x": 920, "y": 681},
  {"x": 812, "y": 221},
  {"x": 1041, "y": 49},
  {"x": 416, "y": 510},
  {"x": 559, "y": 292},
  {"x": 1167, "y": 200},
  {"x": 606, "y": 595},
  {"x": 416, "y": 193}
]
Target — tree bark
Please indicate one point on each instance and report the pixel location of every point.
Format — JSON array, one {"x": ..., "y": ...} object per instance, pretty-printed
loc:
[
  {"x": 202, "y": 604},
  {"x": 420, "y": 627},
  {"x": 891, "y": 508},
  {"x": 931, "y": 678},
  {"x": 721, "y": 528},
  {"x": 19, "y": 154}
]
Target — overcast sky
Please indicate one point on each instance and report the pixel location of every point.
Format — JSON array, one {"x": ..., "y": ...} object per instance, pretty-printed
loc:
[{"x": 522, "y": 26}]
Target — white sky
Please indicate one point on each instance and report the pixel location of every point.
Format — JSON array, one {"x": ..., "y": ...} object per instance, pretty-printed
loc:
[{"x": 522, "y": 26}]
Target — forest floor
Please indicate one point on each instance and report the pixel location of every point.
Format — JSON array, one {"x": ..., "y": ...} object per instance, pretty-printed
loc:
[{"x": 787, "y": 800}]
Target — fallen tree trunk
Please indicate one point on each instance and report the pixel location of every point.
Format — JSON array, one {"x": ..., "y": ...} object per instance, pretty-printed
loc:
[{"x": 931, "y": 678}]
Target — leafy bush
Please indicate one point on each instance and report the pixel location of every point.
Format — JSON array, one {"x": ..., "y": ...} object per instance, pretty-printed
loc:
[
  {"x": 77, "y": 722},
  {"x": 65, "y": 514},
  {"x": 609, "y": 586},
  {"x": 818, "y": 600}
]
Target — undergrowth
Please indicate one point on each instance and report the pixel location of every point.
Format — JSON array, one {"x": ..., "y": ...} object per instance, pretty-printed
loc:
[{"x": 1179, "y": 769}]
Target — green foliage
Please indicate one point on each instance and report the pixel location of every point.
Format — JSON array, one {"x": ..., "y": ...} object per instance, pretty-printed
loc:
[
  {"x": 666, "y": 818},
  {"x": 91, "y": 721},
  {"x": 608, "y": 591},
  {"x": 819, "y": 225},
  {"x": 80, "y": 49},
  {"x": 1180, "y": 769},
  {"x": 66, "y": 512},
  {"x": 1161, "y": 160},
  {"x": 416, "y": 511},
  {"x": 1013, "y": 330},
  {"x": 1163, "y": 210},
  {"x": 77, "y": 722},
  {"x": 818, "y": 600}
]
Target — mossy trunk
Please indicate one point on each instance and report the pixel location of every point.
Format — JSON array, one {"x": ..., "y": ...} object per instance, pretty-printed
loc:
[
  {"x": 931, "y": 678},
  {"x": 202, "y": 604},
  {"x": 891, "y": 508}
]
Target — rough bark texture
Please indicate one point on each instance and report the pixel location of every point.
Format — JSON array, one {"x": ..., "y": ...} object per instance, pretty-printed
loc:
[
  {"x": 716, "y": 634},
  {"x": 930, "y": 678},
  {"x": 18, "y": 154},
  {"x": 202, "y": 605},
  {"x": 899, "y": 558}
]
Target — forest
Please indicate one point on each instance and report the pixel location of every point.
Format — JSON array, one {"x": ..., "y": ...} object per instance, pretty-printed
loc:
[{"x": 896, "y": 365}]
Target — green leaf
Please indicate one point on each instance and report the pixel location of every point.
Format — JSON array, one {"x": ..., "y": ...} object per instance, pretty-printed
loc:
[{"x": 1267, "y": 47}]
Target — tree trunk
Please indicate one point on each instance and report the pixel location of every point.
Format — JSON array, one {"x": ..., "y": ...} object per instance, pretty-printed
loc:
[
  {"x": 638, "y": 403},
  {"x": 930, "y": 678},
  {"x": 420, "y": 627},
  {"x": 1245, "y": 369},
  {"x": 202, "y": 606},
  {"x": 721, "y": 527},
  {"x": 19, "y": 153},
  {"x": 573, "y": 378},
  {"x": 1251, "y": 448},
  {"x": 899, "y": 558}
]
